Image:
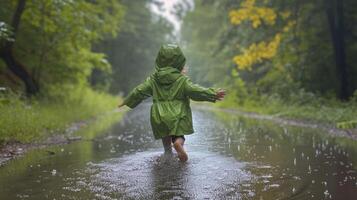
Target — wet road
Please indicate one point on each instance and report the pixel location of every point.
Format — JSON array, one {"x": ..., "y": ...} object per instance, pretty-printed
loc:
[{"x": 230, "y": 157}]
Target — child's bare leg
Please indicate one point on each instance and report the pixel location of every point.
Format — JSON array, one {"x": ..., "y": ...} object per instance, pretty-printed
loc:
[
  {"x": 178, "y": 145},
  {"x": 166, "y": 142}
]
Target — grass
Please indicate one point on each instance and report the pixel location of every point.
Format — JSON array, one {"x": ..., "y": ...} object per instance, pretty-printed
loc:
[
  {"x": 339, "y": 114},
  {"x": 28, "y": 120}
]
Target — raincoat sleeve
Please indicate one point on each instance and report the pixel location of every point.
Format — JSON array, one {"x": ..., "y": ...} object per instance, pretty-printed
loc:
[
  {"x": 199, "y": 93},
  {"x": 138, "y": 94}
]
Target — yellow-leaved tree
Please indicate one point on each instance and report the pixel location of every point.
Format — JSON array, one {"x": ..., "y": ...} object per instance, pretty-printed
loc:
[{"x": 256, "y": 15}]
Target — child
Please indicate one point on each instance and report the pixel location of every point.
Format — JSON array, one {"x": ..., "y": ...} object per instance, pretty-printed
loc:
[{"x": 171, "y": 116}]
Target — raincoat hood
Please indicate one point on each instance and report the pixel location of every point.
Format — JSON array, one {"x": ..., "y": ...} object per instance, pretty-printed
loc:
[
  {"x": 170, "y": 55},
  {"x": 169, "y": 64}
]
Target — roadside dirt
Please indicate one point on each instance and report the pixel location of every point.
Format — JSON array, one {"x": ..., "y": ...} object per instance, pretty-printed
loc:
[{"x": 14, "y": 149}]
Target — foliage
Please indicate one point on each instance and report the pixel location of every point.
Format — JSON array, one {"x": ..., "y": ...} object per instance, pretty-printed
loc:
[
  {"x": 76, "y": 51},
  {"x": 274, "y": 57},
  {"x": 347, "y": 125},
  {"x": 257, "y": 15},
  {"x": 5, "y": 32},
  {"x": 299, "y": 43},
  {"x": 32, "y": 119},
  {"x": 54, "y": 40},
  {"x": 303, "y": 106},
  {"x": 281, "y": 50},
  {"x": 256, "y": 53},
  {"x": 207, "y": 60},
  {"x": 132, "y": 53}
]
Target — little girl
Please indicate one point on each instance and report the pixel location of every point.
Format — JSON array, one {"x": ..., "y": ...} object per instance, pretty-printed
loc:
[{"x": 171, "y": 116}]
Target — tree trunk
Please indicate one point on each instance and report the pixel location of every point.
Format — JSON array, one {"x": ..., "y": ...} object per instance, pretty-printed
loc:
[
  {"x": 19, "y": 70},
  {"x": 335, "y": 15},
  {"x": 6, "y": 54}
]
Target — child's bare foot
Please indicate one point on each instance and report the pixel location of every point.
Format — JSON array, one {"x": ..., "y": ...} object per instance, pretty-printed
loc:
[{"x": 181, "y": 153}]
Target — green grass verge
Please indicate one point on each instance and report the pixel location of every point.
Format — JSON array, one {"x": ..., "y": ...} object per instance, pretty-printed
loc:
[
  {"x": 320, "y": 110},
  {"x": 29, "y": 120}
]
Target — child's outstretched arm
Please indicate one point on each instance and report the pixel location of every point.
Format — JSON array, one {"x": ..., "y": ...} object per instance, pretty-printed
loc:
[
  {"x": 199, "y": 93},
  {"x": 138, "y": 94}
]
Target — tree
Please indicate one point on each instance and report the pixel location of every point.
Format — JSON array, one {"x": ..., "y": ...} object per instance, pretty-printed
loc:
[
  {"x": 6, "y": 53},
  {"x": 132, "y": 53},
  {"x": 55, "y": 39},
  {"x": 335, "y": 15},
  {"x": 299, "y": 14},
  {"x": 278, "y": 47}
]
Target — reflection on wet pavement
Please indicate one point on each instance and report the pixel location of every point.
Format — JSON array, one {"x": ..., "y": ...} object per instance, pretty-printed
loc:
[
  {"x": 152, "y": 175},
  {"x": 230, "y": 157}
]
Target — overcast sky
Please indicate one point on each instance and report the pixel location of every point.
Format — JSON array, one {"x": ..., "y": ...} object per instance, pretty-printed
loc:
[{"x": 167, "y": 12}]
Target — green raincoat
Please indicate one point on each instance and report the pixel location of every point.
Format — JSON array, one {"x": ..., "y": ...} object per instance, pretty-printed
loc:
[{"x": 171, "y": 91}]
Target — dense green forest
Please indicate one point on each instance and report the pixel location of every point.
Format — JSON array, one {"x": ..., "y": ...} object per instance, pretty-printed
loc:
[
  {"x": 280, "y": 47},
  {"x": 63, "y": 61},
  {"x": 293, "y": 58},
  {"x": 132, "y": 53},
  {"x": 288, "y": 58}
]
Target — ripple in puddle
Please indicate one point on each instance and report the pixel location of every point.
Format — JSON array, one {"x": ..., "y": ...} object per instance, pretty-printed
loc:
[{"x": 153, "y": 175}]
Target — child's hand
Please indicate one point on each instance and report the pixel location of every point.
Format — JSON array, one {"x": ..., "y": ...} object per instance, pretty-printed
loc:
[{"x": 220, "y": 94}]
